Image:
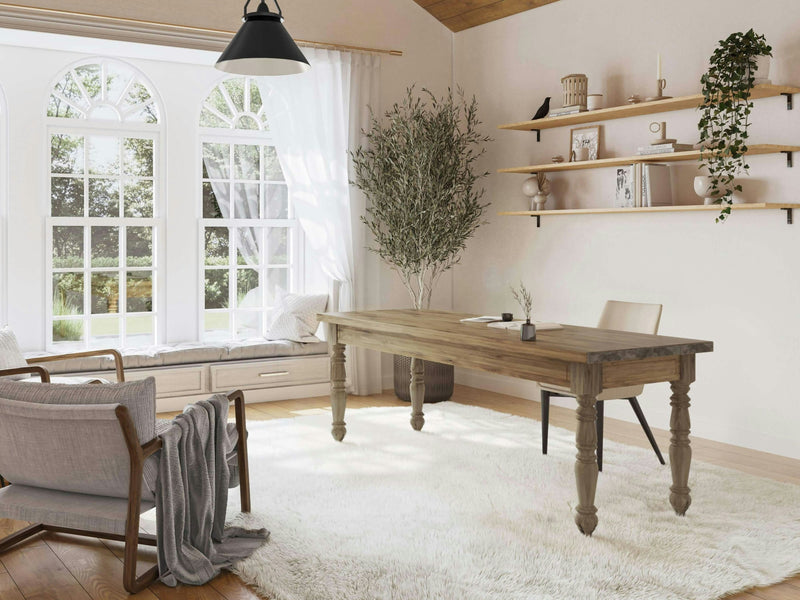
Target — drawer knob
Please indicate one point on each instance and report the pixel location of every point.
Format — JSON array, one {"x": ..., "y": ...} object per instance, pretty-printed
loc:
[{"x": 274, "y": 374}]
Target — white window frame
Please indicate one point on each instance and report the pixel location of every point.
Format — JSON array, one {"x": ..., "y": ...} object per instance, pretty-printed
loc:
[
  {"x": 87, "y": 127},
  {"x": 296, "y": 266}
]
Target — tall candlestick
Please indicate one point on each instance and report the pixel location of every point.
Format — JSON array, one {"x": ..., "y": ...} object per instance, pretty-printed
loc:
[{"x": 659, "y": 67}]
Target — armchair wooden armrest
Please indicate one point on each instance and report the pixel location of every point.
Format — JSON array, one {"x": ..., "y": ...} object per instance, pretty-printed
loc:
[
  {"x": 118, "y": 366},
  {"x": 237, "y": 397},
  {"x": 43, "y": 373}
]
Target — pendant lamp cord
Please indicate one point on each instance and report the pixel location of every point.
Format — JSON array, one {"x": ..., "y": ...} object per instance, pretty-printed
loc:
[{"x": 265, "y": 7}]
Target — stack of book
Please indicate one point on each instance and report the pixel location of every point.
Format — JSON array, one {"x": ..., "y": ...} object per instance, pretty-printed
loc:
[
  {"x": 664, "y": 148},
  {"x": 567, "y": 110},
  {"x": 643, "y": 185}
]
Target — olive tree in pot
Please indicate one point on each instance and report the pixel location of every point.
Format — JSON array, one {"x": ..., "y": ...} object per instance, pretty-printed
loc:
[{"x": 418, "y": 172}]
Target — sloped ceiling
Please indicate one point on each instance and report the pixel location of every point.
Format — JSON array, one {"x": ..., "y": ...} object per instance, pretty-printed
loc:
[{"x": 463, "y": 14}]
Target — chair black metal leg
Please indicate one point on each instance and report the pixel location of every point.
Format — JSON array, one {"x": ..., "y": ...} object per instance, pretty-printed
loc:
[
  {"x": 643, "y": 422},
  {"x": 599, "y": 423},
  {"x": 545, "y": 418}
]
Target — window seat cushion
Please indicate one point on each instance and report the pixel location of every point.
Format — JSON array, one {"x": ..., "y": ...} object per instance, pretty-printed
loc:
[{"x": 188, "y": 353}]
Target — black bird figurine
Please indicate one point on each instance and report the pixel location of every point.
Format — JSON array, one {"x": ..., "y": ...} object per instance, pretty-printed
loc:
[{"x": 543, "y": 110}]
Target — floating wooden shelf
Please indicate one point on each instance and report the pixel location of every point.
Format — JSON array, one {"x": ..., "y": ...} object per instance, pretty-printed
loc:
[
  {"x": 643, "y": 108},
  {"x": 655, "y": 209},
  {"x": 649, "y": 209},
  {"x": 657, "y": 158}
]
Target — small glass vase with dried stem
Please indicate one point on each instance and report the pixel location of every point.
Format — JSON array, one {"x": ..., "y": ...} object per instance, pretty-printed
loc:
[{"x": 527, "y": 332}]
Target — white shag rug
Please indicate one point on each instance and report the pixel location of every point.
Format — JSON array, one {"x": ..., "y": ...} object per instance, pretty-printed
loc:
[{"x": 469, "y": 509}]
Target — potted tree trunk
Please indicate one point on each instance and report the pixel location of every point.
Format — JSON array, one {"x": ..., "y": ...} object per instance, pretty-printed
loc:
[{"x": 418, "y": 172}]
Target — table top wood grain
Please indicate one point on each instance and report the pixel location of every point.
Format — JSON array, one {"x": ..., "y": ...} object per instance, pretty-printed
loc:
[{"x": 572, "y": 343}]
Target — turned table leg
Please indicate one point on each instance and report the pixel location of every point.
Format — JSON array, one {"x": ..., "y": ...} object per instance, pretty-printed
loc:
[
  {"x": 586, "y": 381},
  {"x": 338, "y": 392},
  {"x": 680, "y": 450},
  {"x": 417, "y": 389}
]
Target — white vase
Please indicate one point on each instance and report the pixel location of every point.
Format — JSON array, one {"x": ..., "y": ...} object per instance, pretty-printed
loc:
[
  {"x": 702, "y": 187},
  {"x": 761, "y": 73},
  {"x": 594, "y": 101}
]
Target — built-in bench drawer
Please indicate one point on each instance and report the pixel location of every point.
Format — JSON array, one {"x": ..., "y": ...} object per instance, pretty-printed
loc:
[
  {"x": 269, "y": 373},
  {"x": 174, "y": 381}
]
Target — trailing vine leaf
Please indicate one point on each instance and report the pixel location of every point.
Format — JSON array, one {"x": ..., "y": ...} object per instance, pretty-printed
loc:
[
  {"x": 725, "y": 112},
  {"x": 417, "y": 170}
]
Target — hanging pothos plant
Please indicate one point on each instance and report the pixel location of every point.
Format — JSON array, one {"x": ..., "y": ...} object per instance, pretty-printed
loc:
[{"x": 725, "y": 112}]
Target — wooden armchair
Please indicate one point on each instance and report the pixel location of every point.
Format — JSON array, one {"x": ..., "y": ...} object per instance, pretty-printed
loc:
[
  {"x": 34, "y": 366},
  {"x": 78, "y": 469}
]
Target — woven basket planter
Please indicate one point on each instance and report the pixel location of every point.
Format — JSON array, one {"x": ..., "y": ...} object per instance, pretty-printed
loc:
[{"x": 439, "y": 380}]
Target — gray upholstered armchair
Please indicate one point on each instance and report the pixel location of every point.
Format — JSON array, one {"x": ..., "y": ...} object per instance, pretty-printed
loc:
[{"x": 81, "y": 459}]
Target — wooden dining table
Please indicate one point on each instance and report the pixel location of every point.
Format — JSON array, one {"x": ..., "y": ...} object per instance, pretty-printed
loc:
[{"x": 585, "y": 359}]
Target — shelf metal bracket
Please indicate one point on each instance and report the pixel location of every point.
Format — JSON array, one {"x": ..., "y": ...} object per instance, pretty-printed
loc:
[
  {"x": 538, "y": 134},
  {"x": 789, "y": 103},
  {"x": 538, "y": 220},
  {"x": 788, "y": 215},
  {"x": 789, "y": 158}
]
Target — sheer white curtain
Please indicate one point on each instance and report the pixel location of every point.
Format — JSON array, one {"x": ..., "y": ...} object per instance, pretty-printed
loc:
[
  {"x": 245, "y": 200},
  {"x": 316, "y": 118}
]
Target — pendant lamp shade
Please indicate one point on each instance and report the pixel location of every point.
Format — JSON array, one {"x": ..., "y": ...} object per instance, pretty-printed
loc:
[{"x": 262, "y": 46}]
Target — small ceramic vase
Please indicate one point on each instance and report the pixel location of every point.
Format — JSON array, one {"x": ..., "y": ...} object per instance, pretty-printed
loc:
[
  {"x": 527, "y": 332},
  {"x": 594, "y": 101},
  {"x": 702, "y": 187},
  {"x": 761, "y": 74},
  {"x": 580, "y": 154}
]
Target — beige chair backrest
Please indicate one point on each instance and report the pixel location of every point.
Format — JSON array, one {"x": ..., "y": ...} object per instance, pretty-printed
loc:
[
  {"x": 71, "y": 448},
  {"x": 635, "y": 317}
]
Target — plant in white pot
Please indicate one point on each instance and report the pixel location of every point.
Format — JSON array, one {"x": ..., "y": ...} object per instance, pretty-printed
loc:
[
  {"x": 418, "y": 172},
  {"x": 725, "y": 113}
]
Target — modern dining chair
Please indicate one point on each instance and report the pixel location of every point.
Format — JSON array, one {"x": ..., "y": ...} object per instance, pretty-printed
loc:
[{"x": 619, "y": 316}]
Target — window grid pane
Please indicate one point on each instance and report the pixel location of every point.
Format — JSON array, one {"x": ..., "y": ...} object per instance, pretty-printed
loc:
[
  {"x": 240, "y": 293},
  {"x": 247, "y": 229},
  {"x": 98, "y": 290}
]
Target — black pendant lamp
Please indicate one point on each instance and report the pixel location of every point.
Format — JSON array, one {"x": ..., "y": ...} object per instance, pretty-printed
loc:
[{"x": 262, "y": 46}]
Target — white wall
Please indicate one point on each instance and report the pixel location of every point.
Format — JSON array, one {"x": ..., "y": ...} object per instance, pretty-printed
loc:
[
  {"x": 182, "y": 78},
  {"x": 736, "y": 284}
]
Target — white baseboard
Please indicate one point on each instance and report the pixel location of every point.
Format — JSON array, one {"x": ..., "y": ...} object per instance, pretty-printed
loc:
[{"x": 176, "y": 403}]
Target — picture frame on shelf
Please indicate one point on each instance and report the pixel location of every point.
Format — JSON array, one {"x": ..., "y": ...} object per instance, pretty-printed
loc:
[
  {"x": 584, "y": 137},
  {"x": 626, "y": 187}
]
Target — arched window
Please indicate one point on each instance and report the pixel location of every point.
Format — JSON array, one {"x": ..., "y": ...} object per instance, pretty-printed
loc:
[
  {"x": 251, "y": 248},
  {"x": 104, "y": 129}
]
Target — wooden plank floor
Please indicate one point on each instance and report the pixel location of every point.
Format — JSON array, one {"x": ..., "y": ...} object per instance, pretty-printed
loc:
[{"x": 63, "y": 567}]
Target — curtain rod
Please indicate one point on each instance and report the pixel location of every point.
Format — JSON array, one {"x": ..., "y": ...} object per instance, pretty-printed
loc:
[{"x": 54, "y": 20}]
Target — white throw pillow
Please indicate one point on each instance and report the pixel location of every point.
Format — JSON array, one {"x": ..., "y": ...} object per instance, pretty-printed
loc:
[
  {"x": 10, "y": 355},
  {"x": 295, "y": 318},
  {"x": 251, "y": 319}
]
